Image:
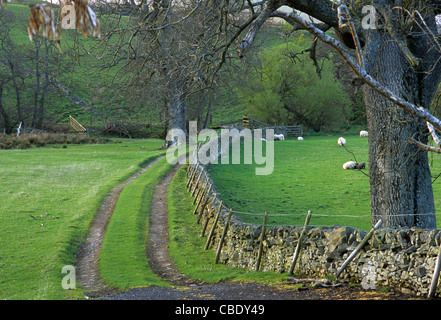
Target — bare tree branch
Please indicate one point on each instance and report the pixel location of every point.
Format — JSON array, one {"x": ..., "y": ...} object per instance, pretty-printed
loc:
[
  {"x": 424, "y": 146},
  {"x": 414, "y": 110},
  {"x": 255, "y": 27}
]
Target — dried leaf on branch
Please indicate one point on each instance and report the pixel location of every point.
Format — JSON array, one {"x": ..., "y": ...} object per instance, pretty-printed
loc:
[
  {"x": 85, "y": 18},
  {"x": 3, "y": 3},
  {"x": 42, "y": 16}
]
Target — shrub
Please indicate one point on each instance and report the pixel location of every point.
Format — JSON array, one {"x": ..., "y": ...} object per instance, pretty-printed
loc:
[{"x": 26, "y": 141}]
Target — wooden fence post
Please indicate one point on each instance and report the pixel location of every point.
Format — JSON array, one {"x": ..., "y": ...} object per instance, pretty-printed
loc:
[
  {"x": 206, "y": 197},
  {"x": 360, "y": 245},
  {"x": 205, "y": 225},
  {"x": 219, "y": 248},
  {"x": 200, "y": 192},
  {"x": 435, "y": 276},
  {"x": 262, "y": 238},
  {"x": 210, "y": 235},
  {"x": 204, "y": 193},
  {"x": 189, "y": 171},
  {"x": 299, "y": 243},
  {"x": 196, "y": 184},
  {"x": 190, "y": 180}
]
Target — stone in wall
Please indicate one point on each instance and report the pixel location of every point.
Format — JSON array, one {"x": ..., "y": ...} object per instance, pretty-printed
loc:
[{"x": 401, "y": 258}]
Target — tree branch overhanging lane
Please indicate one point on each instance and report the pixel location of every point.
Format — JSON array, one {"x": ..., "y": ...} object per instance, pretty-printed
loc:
[
  {"x": 320, "y": 32},
  {"x": 398, "y": 60}
]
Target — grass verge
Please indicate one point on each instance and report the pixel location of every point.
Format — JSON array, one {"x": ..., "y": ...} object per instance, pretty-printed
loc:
[
  {"x": 48, "y": 199},
  {"x": 187, "y": 246},
  {"x": 123, "y": 260}
]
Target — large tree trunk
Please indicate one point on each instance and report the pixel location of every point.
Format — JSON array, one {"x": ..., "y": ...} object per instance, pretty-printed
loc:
[
  {"x": 400, "y": 180},
  {"x": 176, "y": 109}
]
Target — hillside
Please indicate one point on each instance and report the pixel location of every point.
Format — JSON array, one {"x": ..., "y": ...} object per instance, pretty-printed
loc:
[{"x": 89, "y": 81}]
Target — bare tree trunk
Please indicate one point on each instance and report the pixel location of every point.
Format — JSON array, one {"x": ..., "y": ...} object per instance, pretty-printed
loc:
[
  {"x": 3, "y": 113},
  {"x": 37, "y": 82},
  {"x": 176, "y": 108},
  {"x": 40, "y": 115},
  {"x": 400, "y": 180},
  {"x": 208, "y": 115}
]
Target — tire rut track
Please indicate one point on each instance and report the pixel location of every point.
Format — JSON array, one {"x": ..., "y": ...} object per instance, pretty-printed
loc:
[
  {"x": 157, "y": 249},
  {"x": 87, "y": 257}
]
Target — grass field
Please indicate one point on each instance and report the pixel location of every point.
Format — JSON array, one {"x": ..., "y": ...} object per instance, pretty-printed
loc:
[
  {"x": 123, "y": 260},
  {"x": 68, "y": 184},
  {"x": 50, "y": 194},
  {"x": 308, "y": 175},
  {"x": 187, "y": 246}
]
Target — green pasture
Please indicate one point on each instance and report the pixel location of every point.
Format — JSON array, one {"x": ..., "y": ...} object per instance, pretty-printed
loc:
[
  {"x": 187, "y": 245},
  {"x": 77, "y": 67},
  {"x": 50, "y": 194},
  {"x": 308, "y": 175},
  {"x": 48, "y": 197}
]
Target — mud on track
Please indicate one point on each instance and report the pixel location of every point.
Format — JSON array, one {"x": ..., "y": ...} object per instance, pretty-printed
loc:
[{"x": 88, "y": 253}]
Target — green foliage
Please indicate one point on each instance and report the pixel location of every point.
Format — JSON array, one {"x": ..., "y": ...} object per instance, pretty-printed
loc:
[{"x": 286, "y": 88}]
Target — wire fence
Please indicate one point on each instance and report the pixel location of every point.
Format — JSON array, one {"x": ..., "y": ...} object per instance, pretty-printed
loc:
[
  {"x": 210, "y": 204},
  {"x": 197, "y": 173}
]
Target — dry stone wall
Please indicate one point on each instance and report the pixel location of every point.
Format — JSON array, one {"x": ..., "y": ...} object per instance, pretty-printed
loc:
[{"x": 401, "y": 258}]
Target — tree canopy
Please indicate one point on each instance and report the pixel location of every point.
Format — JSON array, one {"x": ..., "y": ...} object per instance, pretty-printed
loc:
[
  {"x": 392, "y": 47},
  {"x": 286, "y": 88}
]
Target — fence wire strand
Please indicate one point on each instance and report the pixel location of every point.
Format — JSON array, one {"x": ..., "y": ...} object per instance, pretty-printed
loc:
[{"x": 216, "y": 201}]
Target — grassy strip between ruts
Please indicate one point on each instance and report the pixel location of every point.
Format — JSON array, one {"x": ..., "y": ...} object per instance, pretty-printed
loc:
[{"x": 123, "y": 260}]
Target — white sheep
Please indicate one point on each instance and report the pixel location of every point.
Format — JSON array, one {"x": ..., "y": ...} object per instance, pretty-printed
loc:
[
  {"x": 341, "y": 141},
  {"x": 349, "y": 165},
  {"x": 279, "y": 137},
  {"x": 363, "y": 133},
  {"x": 300, "y": 138}
]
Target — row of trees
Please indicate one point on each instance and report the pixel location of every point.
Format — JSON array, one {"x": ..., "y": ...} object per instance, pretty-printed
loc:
[
  {"x": 154, "y": 73},
  {"x": 397, "y": 54},
  {"x": 24, "y": 77}
]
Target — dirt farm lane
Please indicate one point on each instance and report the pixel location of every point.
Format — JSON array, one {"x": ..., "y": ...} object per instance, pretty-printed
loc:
[{"x": 185, "y": 288}]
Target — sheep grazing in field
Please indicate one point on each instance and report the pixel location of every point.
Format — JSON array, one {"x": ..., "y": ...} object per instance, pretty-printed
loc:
[
  {"x": 363, "y": 133},
  {"x": 361, "y": 165},
  {"x": 279, "y": 137},
  {"x": 300, "y": 138},
  {"x": 351, "y": 165},
  {"x": 341, "y": 141}
]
